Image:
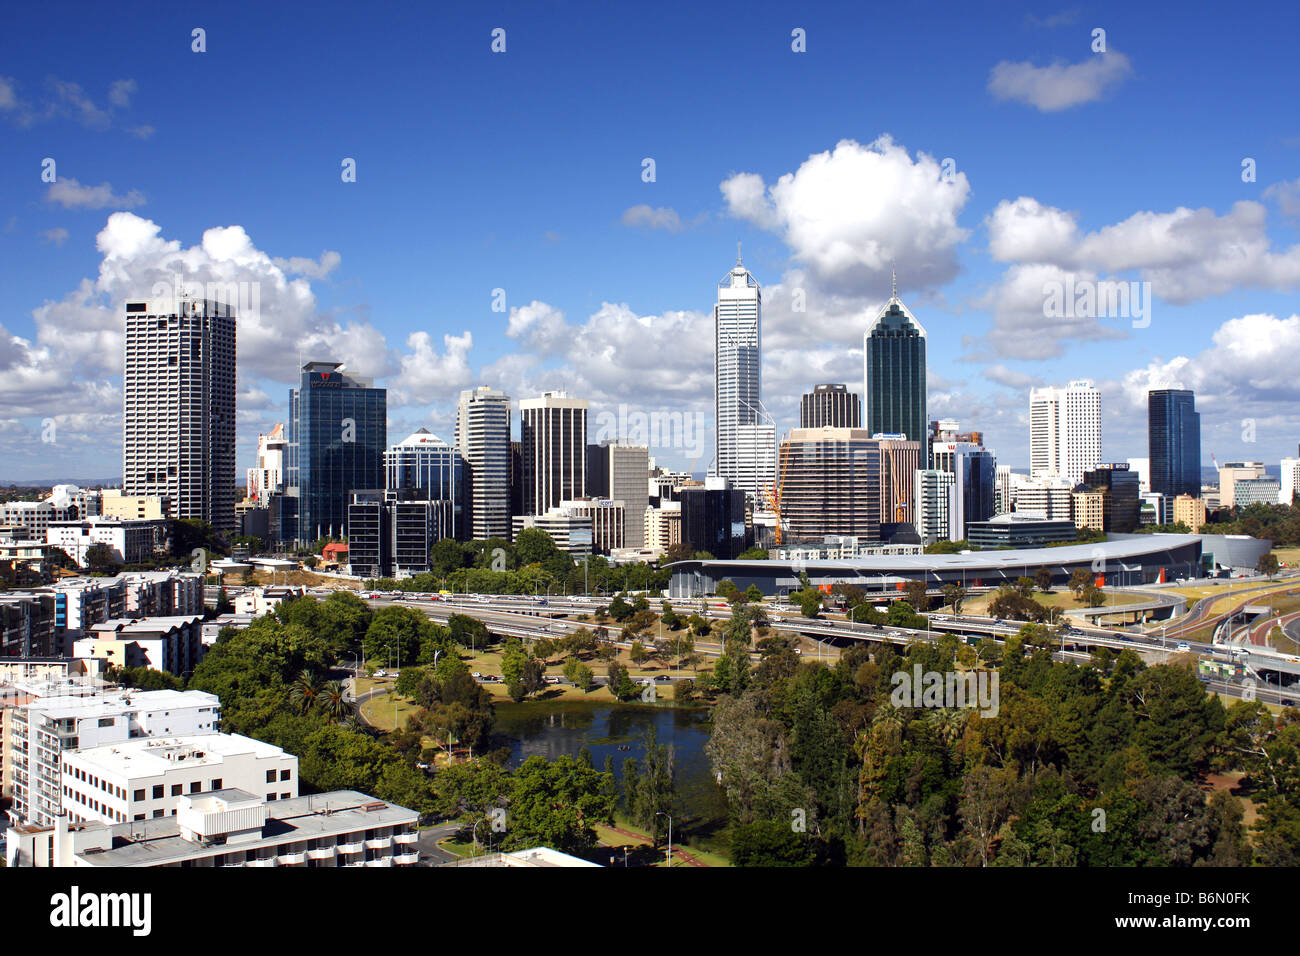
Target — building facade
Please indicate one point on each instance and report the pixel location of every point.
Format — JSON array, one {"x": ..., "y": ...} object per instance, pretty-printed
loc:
[
  {"x": 553, "y": 440},
  {"x": 830, "y": 406},
  {"x": 894, "y": 369},
  {"x": 1064, "y": 430},
  {"x": 178, "y": 393},
  {"x": 483, "y": 440},
  {"x": 1174, "y": 442},
  {"x": 830, "y": 485},
  {"x": 338, "y": 432}
]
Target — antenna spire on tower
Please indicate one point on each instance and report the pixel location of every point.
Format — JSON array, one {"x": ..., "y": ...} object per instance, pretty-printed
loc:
[
  {"x": 893, "y": 279},
  {"x": 739, "y": 261}
]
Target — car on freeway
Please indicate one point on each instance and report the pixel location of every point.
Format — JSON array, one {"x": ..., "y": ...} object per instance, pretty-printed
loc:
[
  {"x": 1183, "y": 647},
  {"x": 661, "y": 678},
  {"x": 476, "y": 675}
]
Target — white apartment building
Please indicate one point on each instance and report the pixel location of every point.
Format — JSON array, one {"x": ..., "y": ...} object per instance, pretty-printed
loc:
[
  {"x": 1289, "y": 482},
  {"x": 933, "y": 492},
  {"x": 663, "y": 525},
  {"x": 178, "y": 391},
  {"x": 130, "y": 540},
  {"x": 232, "y": 827},
  {"x": 483, "y": 440},
  {"x": 1064, "y": 430},
  {"x": 1006, "y": 499},
  {"x": 23, "y": 682},
  {"x": 144, "y": 779},
  {"x": 170, "y": 644},
  {"x": 43, "y": 730}
]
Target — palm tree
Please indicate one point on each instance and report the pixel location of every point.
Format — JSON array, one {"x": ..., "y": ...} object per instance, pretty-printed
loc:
[
  {"x": 333, "y": 701},
  {"x": 304, "y": 691}
]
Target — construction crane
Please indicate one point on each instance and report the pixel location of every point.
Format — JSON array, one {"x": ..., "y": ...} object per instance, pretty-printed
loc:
[{"x": 774, "y": 489}]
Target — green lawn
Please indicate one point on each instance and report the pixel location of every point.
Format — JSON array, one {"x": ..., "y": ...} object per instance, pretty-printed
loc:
[{"x": 614, "y": 839}]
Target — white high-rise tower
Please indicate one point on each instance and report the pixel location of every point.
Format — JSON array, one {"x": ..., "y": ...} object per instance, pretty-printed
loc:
[
  {"x": 1064, "y": 430},
  {"x": 744, "y": 433},
  {"x": 178, "y": 403},
  {"x": 483, "y": 440}
]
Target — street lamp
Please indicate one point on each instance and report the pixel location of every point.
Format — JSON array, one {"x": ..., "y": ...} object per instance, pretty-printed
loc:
[{"x": 670, "y": 834}]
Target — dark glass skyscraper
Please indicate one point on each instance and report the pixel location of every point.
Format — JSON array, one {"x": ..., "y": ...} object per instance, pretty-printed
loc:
[
  {"x": 1174, "y": 442},
  {"x": 894, "y": 375},
  {"x": 338, "y": 431}
]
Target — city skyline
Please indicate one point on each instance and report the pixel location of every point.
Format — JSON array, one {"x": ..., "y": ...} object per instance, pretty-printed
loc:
[{"x": 597, "y": 288}]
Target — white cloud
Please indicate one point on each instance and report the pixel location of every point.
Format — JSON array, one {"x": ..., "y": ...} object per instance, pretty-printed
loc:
[
  {"x": 848, "y": 213},
  {"x": 1060, "y": 85},
  {"x": 58, "y": 236},
  {"x": 539, "y": 327},
  {"x": 312, "y": 268},
  {"x": 70, "y": 194},
  {"x": 119, "y": 94},
  {"x": 8, "y": 97},
  {"x": 1286, "y": 195},
  {"x": 653, "y": 218},
  {"x": 428, "y": 375}
]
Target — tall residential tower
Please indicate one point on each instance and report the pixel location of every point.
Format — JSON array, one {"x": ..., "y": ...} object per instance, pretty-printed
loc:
[{"x": 178, "y": 402}]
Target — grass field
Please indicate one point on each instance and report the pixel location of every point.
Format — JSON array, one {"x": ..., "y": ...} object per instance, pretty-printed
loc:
[{"x": 1062, "y": 598}]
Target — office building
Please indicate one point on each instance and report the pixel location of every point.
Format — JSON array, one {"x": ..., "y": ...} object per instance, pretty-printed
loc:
[
  {"x": 423, "y": 466},
  {"x": 553, "y": 450},
  {"x": 178, "y": 392},
  {"x": 1232, "y": 472},
  {"x": 1006, "y": 499},
  {"x": 267, "y": 478},
  {"x": 114, "y": 504},
  {"x": 1255, "y": 491},
  {"x": 974, "y": 470},
  {"x": 338, "y": 431},
  {"x": 608, "y": 521},
  {"x": 145, "y": 779},
  {"x": 1064, "y": 430},
  {"x": 1155, "y": 508},
  {"x": 894, "y": 366},
  {"x": 392, "y": 531},
  {"x": 713, "y": 518},
  {"x": 44, "y": 730},
  {"x": 744, "y": 433},
  {"x": 620, "y": 472},
  {"x": 1117, "y": 487},
  {"x": 663, "y": 525},
  {"x": 233, "y": 827},
  {"x": 1174, "y": 442},
  {"x": 830, "y": 406},
  {"x": 900, "y": 459},
  {"x": 830, "y": 484},
  {"x": 1049, "y": 497},
  {"x": 1020, "y": 530}
]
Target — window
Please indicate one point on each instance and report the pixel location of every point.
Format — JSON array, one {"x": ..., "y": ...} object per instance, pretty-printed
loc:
[
  {"x": 194, "y": 787},
  {"x": 157, "y": 813},
  {"x": 284, "y": 775},
  {"x": 284, "y": 796},
  {"x": 138, "y": 795},
  {"x": 139, "y": 816},
  {"x": 270, "y": 776},
  {"x": 158, "y": 792},
  {"x": 270, "y": 797},
  {"x": 176, "y": 790},
  {"x": 216, "y": 784}
]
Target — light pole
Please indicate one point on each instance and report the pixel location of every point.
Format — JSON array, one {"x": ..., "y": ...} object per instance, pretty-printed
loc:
[{"x": 670, "y": 834}]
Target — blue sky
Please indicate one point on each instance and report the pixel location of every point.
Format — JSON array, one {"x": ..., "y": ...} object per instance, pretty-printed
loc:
[{"x": 522, "y": 171}]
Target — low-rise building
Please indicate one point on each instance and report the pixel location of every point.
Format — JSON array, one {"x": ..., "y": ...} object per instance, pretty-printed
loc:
[
  {"x": 1189, "y": 511},
  {"x": 144, "y": 779},
  {"x": 1019, "y": 530},
  {"x": 233, "y": 828},
  {"x": 130, "y": 540},
  {"x": 571, "y": 532},
  {"x": 171, "y": 644}
]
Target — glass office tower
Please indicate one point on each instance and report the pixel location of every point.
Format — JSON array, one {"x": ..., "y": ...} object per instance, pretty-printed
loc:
[
  {"x": 894, "y": 375},
  {"x": 1174, "y": 442},
  {"x": 338, "y": 431}
]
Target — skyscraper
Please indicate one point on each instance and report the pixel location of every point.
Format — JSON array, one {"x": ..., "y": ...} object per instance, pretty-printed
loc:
[
  {"x": 178, "y": 403},
  {"x": 744, "y": 434},
  {"x": 1064, "y": 430},
  {"x": 483, "y": 439},
  {"x": 621, "y": 472},
  {"x": 553, "y": 453},
  {"x": 426, "y": 468},
  {"x": 1174, "y": 442},
  {"x": 268, "y": 477},
  {"x": 893, "y": 365},
  {"x": 338, "y": 430},
  {"x": 831, "y": 406},
  {"x": 830, "y": 485}
]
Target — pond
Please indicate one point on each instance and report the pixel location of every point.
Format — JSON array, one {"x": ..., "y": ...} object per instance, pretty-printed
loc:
[{"x": 551, "y": 729}]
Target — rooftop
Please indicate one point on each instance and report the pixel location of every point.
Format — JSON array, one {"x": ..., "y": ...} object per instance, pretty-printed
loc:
[{"x": 154, "y": 756}]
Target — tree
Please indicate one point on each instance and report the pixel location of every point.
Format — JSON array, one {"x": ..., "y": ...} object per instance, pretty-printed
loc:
[
  {"x": 398, "y": 631},
  {"x": 769, "y": 843},
  {"x": 1267, "y": 565},
  {"x": 447, "y": 555},
  {"x": 1079, "y": 578},
  {"x": 1043, "y": 580},
  {"x": 727, "y": 589},
  {"x": 620, "y": 684},
  {"x": 224, "y": 604},
  {"x": 637, "y": 653},
  {"x": 753, "y": 595},
  {"x": 100, "y": 557},
  {"x": 917, "y": 595},
  {"x": 810, "y": 602},
  {"x": 556, "y": 803},
  {"x": 619, "y": 609},
  {"x": 954, "y": 595}
]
